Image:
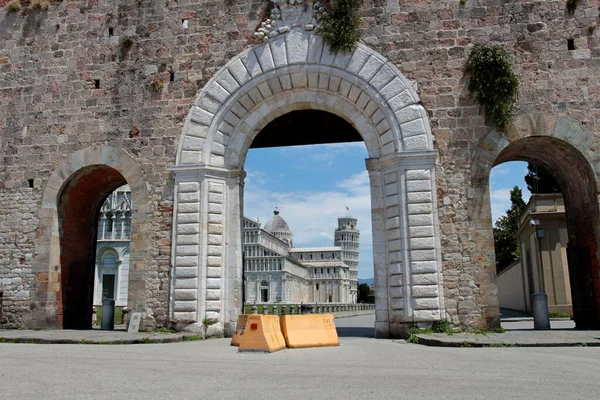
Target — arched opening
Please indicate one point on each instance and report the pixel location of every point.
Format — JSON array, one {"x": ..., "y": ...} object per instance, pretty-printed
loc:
[
  {"x": 285, "y": 75},
  {"x": 79, "y": 204},
  {"x": 541, "y": 236},
  {"x": 323, "y": 191}
]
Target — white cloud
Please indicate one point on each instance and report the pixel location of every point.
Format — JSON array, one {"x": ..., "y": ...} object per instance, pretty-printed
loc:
[{"x": 500, "y": 201}]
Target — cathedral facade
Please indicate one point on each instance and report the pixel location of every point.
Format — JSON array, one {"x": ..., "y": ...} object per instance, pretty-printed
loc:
[{"x": 277, "y": 272}]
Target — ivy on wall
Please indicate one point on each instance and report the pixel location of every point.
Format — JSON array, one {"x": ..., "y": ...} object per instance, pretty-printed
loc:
[
  {"x": 493, "y": 83},
  {"x": 340, "y": 25}
]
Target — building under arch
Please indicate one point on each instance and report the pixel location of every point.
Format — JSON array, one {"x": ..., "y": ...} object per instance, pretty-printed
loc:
[{"x": 277, "y": 272}]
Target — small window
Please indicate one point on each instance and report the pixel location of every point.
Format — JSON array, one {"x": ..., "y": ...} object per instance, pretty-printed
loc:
[
  {"x": 97, "y": 83},
  {"x": 317, "y": 286},
  {"x": 111, "y": 31},
  {"x": 30, "y": 183},
  {"x": 322, "y": 256},
  {"x": 571, "y": 44},
  {"x": 172, "y": 76}
]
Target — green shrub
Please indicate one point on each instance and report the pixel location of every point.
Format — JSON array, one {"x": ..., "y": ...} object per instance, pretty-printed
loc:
[
  {"x": 442, "y": 326},
  {"x": 340, "y": 26},
  {"x": 157, "y": 86},
  {"x": 40, "y": 4},
  {"x": 493, "y": 83},
  {"x": 13, "y": 6}
]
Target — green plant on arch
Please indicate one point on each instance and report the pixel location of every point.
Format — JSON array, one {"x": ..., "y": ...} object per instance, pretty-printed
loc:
[
  {"x": 340, "y": 26},
  {"x": 493, "y": 83}
]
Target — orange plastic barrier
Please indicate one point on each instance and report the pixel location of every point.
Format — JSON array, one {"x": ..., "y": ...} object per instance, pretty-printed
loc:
[
  {"x": 240, "y": 328},
  {"x": 310, "y": 330},
  {"x": 262, "y": 333}
]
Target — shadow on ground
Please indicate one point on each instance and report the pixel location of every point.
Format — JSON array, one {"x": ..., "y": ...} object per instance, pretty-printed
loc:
[{"x": 356, "y": 332}]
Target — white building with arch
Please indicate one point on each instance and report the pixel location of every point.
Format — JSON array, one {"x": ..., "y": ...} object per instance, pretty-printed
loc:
[{"x": 111, "y": 276}]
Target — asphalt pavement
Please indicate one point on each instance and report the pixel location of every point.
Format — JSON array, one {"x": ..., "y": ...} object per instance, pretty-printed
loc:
[{"x": 360, "y": 368}]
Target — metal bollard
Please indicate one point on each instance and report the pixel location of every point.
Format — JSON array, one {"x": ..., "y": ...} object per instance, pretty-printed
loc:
[
  {"x": 283, "y": 310},
  {"x": 275, "y": 312},
  {"x": 541, "y": 315},
  {"x": 108, "y": 314},
  {"x": 265, "y": 310},
  {"x": 254, "y": 310}
]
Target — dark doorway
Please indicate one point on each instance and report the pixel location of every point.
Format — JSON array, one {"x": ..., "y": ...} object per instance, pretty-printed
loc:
[{"x": 79, "y": 206}]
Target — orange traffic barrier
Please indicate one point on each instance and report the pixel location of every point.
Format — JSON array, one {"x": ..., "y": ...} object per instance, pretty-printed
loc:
[
  {"x": 261, "y": 333},
  {"x": 310, "y": 330},
  {"x": 240, "y": 328}
]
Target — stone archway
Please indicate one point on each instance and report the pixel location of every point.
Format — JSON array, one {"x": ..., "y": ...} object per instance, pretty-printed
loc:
[
  {"x": 85, "y": 177},
  {"x": 295, "y": 72},
  {"x": 565, "y": 148}
]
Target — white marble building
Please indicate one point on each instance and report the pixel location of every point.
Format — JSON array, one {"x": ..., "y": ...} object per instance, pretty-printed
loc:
[
  {"x": 277, "y": 272},
  {"x": 111, "y": 276}
]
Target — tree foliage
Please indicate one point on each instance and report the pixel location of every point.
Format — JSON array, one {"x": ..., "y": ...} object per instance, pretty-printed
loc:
[
  {"x": 363, "y": 292},
  {"x": 506, "y": 243},
  {"x": 493, "y": 83},
  {"x": 340, "y": 26},
  {"x": 540, "y": 180}
]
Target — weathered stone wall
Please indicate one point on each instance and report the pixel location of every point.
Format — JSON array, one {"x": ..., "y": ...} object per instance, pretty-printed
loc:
[{"x": 87, "y": 72}]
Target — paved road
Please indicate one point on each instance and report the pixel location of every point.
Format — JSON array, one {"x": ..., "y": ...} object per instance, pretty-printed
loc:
[{"x": 360, "y": 368}]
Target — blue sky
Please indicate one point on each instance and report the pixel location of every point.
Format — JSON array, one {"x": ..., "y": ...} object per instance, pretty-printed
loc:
[
  {"x": 313, "y": 185},
  {"x": 502, "y": 179}
]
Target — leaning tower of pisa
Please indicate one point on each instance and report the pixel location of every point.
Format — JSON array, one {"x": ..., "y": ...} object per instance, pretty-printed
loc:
[{"x": 347, "y": 237}]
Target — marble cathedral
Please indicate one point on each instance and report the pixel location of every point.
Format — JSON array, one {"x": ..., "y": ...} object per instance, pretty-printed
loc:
[
  {"x": 111, "y": 278},
  {"x": 277, "y": 272}
]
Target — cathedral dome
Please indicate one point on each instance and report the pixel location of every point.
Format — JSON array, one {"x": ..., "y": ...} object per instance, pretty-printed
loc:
[{"x": 279, "y": 228}]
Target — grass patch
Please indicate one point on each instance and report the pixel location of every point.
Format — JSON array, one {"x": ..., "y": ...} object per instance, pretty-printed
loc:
[
  {"x": 145, "y": 340},
  {"x": 559, "y": 315},
  {"x": 164, "y": 330}
]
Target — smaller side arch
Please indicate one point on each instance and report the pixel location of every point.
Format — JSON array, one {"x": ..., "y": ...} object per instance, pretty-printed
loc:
[
  {"x": 48, "y": 297},
  {"x": 568, "y": 151}
]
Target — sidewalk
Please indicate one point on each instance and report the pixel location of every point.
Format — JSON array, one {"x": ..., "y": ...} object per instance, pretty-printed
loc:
[
  {"x": 118, "y": 336},
  {"x": 519, "y": 333}
]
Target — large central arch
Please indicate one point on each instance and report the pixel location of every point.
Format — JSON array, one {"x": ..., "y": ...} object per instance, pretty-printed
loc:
[{"x": 294, "y": 72}]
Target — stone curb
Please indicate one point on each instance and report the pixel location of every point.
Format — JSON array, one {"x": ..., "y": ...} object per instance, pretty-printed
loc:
[
  {"x": 137, "y": 340},
  {"x": 527, "y": 319},
  {"x": 433, "y": 342}
]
